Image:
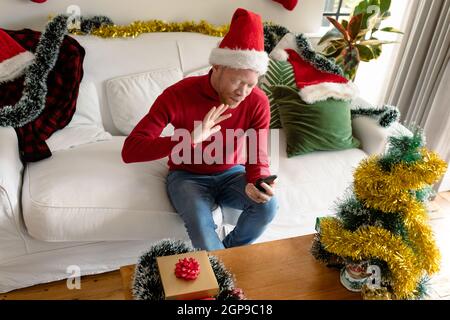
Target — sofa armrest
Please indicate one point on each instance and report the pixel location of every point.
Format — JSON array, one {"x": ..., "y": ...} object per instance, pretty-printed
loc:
[
  {"x": 11, "y": 169},
  {"x": 374, "y": 138}
]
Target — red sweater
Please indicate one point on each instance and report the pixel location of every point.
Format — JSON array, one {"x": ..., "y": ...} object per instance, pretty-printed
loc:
[{"x": 187, "y": 101}]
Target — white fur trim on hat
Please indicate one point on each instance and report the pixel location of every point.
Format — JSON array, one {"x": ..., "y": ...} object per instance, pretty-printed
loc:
[
  {"x": 287, "y": 42},
  {"x": 15, "y": 66},
  {"x": 326, "y": 90},
  {"x": 279, "y": 55},
  {"x": 240, "y": 59}
]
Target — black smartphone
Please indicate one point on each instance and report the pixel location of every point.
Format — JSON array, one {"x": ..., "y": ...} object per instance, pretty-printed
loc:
[{"x": 267, "y": 180}]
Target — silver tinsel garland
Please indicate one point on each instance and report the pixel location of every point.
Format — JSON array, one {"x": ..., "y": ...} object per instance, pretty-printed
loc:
[
  {"x": 147, "y": 282},
  {"x": 32, "y": 102}
]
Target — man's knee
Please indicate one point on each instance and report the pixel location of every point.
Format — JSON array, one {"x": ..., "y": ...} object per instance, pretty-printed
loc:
[{"x": 268, "y": 210}]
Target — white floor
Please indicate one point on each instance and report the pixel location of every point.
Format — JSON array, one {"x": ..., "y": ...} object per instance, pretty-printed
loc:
[{"x": 440, "y": 283}]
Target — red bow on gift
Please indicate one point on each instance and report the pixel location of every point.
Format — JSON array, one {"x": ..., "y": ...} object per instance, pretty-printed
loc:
[{"x": 187, "y": 269}]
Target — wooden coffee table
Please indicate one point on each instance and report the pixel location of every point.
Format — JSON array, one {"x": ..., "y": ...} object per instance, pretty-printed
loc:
[{"x": 275, "y": 270}]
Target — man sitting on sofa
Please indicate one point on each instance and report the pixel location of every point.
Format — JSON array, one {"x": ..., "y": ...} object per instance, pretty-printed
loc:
[{"x": 227, "y": 95}]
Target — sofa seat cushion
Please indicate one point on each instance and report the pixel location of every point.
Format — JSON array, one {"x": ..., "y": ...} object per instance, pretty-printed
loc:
[
  {"x": 87, "y": 193},
  {"x": 307, "y": 187}
]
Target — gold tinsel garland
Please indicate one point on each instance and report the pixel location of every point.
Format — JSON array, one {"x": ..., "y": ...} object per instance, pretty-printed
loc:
[
  {"x": 138, "y": 27},
  {"x": 390, "y": 192},
  {"x": 374, "y": 242}
]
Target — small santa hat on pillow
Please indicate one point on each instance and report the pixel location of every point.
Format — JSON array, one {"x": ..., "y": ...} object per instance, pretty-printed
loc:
[
  {"x": 243, "y": 45},
  {"x": 288, "y": 4},
  {"x": 317, "y": 80},
  {"x": 13, "y": 58}
]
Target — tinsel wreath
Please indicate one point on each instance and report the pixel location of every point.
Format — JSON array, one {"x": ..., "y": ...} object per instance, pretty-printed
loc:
[
  {"x": 34, "y": 93},
  {"x": 385, "y": 221},
  {"x": 385, "y": 115},
  {"x": 147, "y": 283}
]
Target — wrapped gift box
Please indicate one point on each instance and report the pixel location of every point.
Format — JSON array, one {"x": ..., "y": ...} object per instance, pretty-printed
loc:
[{"x": 204, "y": 286}]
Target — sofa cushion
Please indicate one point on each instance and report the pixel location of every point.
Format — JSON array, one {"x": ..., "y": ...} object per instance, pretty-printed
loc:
[
  {"x": 307, "y": 187},
  {"x": 87, "y": 193},
  {"x": 324, "y": 125},
  {"x": 86, "y": 124},
  {"x": 278, "y": 73},
  {"x": 131, "y": 97}
]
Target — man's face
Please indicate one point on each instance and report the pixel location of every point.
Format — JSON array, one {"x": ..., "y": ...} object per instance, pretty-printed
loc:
[{"x": 234, "y": 85}]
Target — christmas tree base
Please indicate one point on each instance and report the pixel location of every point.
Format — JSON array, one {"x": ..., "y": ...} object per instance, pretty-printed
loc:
[{"x": 351, "y": 280}]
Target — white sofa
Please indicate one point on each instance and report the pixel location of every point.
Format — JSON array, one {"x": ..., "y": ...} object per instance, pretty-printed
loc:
[{"x": 83, "y": 206}]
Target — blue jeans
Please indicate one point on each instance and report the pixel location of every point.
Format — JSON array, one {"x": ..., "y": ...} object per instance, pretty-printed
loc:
[{"x": 194, "y": 196}]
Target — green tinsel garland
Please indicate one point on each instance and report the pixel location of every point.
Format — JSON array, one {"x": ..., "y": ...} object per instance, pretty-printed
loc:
[
  {"x": 329, "y": 259},
  {"x": 354, "y": 215},
  {"x": 147, "y": 283},
  {"x": 316, "y": 59},
  {"x": 272, "y": 35},
  {"x": 385, "y": 115},
  {"x": 32, "y": 102},
  {"x": 87, "y": 24},
  {"x": 406, "y": 149}
]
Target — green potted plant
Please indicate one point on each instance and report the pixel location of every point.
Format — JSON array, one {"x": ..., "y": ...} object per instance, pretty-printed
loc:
[{"x": 350, "y": 42}]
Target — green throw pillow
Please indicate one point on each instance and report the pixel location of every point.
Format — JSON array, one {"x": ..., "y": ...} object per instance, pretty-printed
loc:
[
  {"x": 278, "y": 73},
  {"x": 324, "y": 125}
]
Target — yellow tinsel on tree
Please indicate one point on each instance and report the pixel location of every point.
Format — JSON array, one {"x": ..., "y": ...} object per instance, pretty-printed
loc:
[
  {"x": 374, "y": 242},
  {"x": 392, "y": 191}
]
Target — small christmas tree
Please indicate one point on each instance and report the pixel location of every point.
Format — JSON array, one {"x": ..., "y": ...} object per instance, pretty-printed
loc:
[{"x": 383, "y": 222}]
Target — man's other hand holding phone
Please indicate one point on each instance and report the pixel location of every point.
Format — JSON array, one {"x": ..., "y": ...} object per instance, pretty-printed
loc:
[{"x": 263, "y": 189}]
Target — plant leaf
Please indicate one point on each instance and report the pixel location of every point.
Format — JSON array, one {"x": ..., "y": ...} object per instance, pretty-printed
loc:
[
  {"x": 375, "y": 42},
  {"x": 384, "y": 6},
  {"x": 385, "y": 15},
  {"x": 344, "y": 23},
  {"x": 391, "y": 29},
  {"x": 332, "y": 34},
  {"x": 361, "y": 8},
  {"x": 362, "y": 34},
  {"x": 354, "y": 26},
  {"x": 365, "y": 53},
  {"x": 339, "y": 27}
]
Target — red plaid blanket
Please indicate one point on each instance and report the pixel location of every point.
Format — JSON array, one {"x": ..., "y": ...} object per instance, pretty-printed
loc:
[{"x": 63, "y": 83}]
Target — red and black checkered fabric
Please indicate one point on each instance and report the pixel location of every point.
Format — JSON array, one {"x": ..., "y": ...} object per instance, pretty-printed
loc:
[{"x": 62, "y": 83}]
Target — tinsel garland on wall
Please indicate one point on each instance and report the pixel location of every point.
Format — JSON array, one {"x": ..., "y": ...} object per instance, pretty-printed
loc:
[
  {"x": 107, "y": 29},
  {"x": 385, "y": 221}
]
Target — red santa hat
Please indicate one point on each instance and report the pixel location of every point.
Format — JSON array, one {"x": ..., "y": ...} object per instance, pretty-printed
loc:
[
  {"x": 243, "y": 45},
  {"x": 13, "y": 58},
  {"x": 288, "y": 4},
  {"x": 314, "y": 84}
]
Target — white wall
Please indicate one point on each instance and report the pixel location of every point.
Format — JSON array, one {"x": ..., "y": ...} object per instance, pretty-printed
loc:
[{"x": 17, "y": 14}]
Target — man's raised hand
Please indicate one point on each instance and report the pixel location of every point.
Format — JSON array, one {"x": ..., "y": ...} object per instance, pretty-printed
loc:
[{"x": 209, "y": 125}]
